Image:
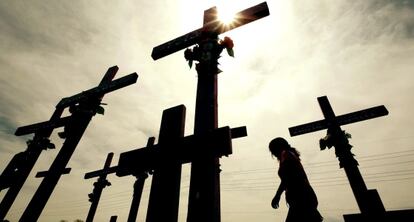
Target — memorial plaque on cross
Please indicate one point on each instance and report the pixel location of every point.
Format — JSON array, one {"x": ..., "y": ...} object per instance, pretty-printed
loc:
[
  {"x": 368, "y": 201},
  {"x": 204, "y": 197},
  {"x": 17, "y": 171},
  {"x": 83, "y": 107}
]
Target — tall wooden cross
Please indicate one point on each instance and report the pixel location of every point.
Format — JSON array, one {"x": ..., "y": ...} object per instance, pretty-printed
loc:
[
  {"x": 166, "y": 178},
  {"x": 166, "y": 157},
  {"x": 83, "y": 107},
  {"x": 99, "y": 185},
  {"x": 18, "y": 169},
  {"x": 368, "y": 201},
  {"x": 204, "y": 197}
]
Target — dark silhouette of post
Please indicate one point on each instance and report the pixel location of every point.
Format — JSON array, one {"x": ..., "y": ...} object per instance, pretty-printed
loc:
[
  {"x": 369, "y": 201},
  {"x": 19, "y": 168},
  {"x": 83, "y": 107},
  {"x": 204, "y": 197},
  {"x": 136, "y": 197},
  {"x": 166, "y": 179},
  {"x": 99, "y": 185},
  {"x": 173, "y": 150},
  {"x": 138, "y": 188}
]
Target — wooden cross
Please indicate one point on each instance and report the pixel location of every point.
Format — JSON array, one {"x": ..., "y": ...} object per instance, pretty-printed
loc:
[
  {"x": 83, "y": 107},
  {"x": 18, "y": 169},
  {"x": 99, "y": 185},
  {"x": 166, "y": 157},
  {"x": 138, "y": 188},
  {"x": 138, "y": 185},
  {"x": 204, "y": 197},
  {"x": 210, "y": 24},
  {"x": 166, "y": 179},
  {"x": 42, "y": 174},
  {"x": 368, "y": 201}
]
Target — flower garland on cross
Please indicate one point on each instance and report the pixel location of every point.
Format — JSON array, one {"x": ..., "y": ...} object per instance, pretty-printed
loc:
[
  {"x": 211, "y": 51},
  {"x": 328, "y": 141},
  {"x": 344, "y": 154}
]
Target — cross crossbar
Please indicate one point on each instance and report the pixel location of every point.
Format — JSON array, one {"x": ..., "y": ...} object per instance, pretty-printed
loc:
[
  {"x": 99, "y": 90},
  {"x": 33, "y": 128},
  {"x": 45, "y": 173},
  {"x": 98, "y": 173},
  {"x": 345, "y": 119},
  {"x": 113, "y": 169},
  {"x": 219, "y": 142},
  {"x": 243, "y": 17}
]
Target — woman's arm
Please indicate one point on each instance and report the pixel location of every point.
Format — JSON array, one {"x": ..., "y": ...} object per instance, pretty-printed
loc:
[{"x": 276, "y": 199}]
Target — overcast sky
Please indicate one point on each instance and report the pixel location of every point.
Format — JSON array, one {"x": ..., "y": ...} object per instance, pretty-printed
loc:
[{"x": 358, "y": 53}]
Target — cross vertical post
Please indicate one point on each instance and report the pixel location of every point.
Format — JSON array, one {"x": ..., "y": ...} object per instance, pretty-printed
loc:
[
  {"x": 138, "y": 188},
  {"x": 204, "y": 196},
  {"x": 166, "y": 178},
  {"x": 83, "y": 107},
  {"x": 99, "y": 185},
  {"x": 136, "y": 197}
]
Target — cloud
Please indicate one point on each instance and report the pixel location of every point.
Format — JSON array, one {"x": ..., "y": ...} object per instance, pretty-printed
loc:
[
  {"x": 34, "y": 26},
  {"x": 359, "y": 54}
]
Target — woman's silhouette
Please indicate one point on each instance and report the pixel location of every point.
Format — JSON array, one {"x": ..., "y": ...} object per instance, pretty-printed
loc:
[{"x": 299, "y": 194}]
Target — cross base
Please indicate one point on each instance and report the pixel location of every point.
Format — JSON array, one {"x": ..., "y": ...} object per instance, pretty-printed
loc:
[{"x": 388, "y": 216}]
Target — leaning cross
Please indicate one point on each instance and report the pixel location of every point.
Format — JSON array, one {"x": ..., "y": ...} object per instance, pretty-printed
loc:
[
  {"x": 368, "y": 201},
  {"x": 18, "y": 169},
  {"x": 204, "y": 197},
  {"x": 83, "y": 107}
]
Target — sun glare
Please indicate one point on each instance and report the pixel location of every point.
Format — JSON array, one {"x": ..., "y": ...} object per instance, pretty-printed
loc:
[
  {"x": 225, "y": 17},
  {"x": 226, "y": 13}
]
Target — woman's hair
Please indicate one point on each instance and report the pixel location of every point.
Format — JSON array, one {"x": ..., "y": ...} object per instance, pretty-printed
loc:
[{"x": 279, "y": 144}]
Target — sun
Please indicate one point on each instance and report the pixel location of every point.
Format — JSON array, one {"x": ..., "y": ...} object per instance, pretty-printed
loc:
[
  {"x": 225, "y": 17},
  {"x": 226, "y": 14}
]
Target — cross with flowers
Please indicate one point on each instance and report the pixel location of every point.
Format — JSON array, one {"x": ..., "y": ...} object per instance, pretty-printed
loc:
[
  {"x": 204, "y": 196},
  {"x": 368, "y": 200}
]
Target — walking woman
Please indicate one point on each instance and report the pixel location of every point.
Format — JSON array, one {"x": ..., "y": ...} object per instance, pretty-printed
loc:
[{"x": 299, "y": 194}]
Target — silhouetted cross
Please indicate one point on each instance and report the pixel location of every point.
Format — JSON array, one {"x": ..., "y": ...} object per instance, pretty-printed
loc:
[
  {"x": 204, "y": 196},
  {"x": 368, "y": 201},
  {"x": 83, "y": 107}
]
